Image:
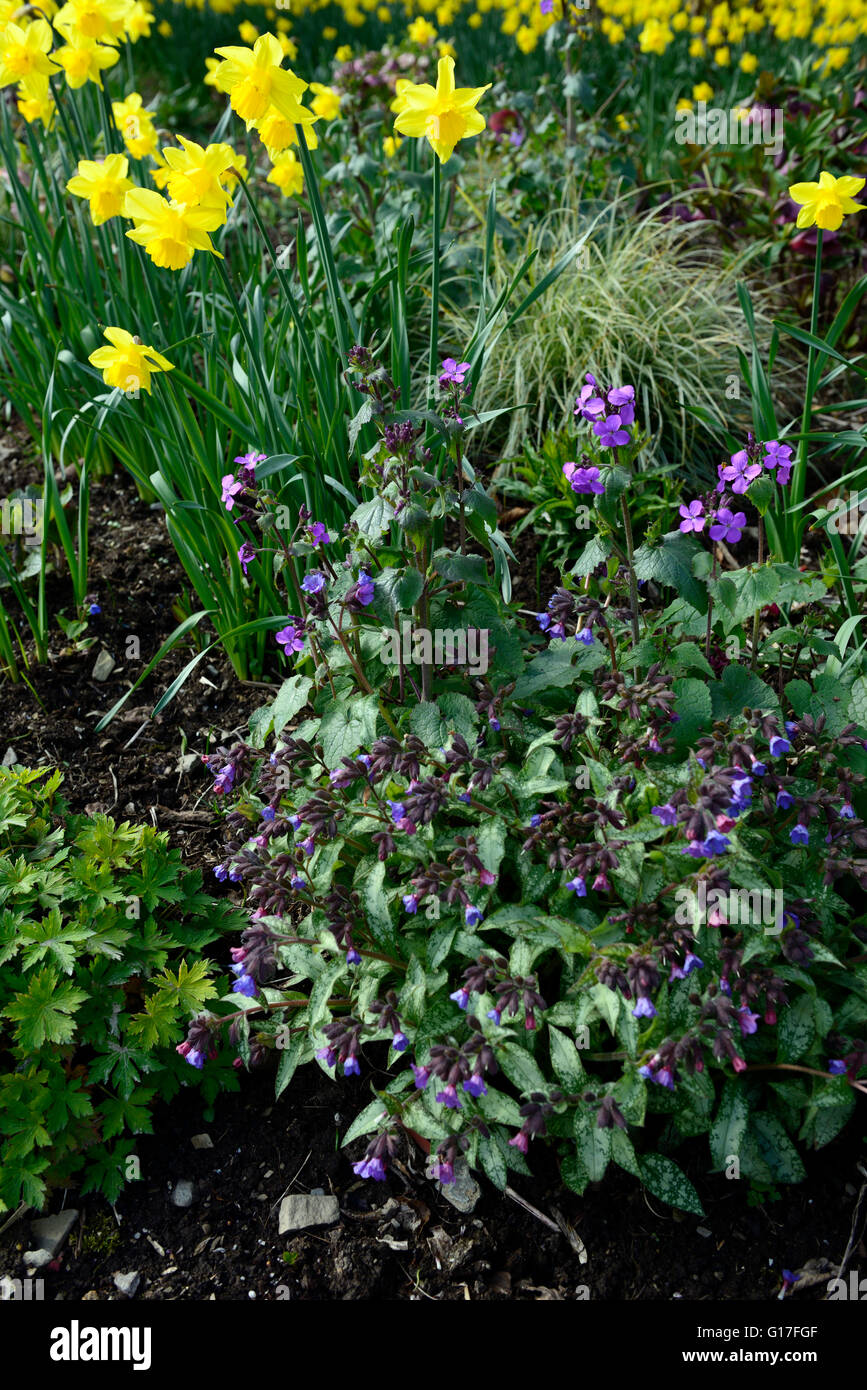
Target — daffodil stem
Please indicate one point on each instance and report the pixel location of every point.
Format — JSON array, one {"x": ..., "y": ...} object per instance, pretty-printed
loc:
[
  {"x": 324, "y": 240},
  {"x": 433, "y": 357},
  {"x": 799, "y": 482},
  {"x": 252, "y": 355}
]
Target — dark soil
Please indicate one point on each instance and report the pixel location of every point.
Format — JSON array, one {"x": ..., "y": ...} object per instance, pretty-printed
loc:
[{"x": 400, "y": 1239}]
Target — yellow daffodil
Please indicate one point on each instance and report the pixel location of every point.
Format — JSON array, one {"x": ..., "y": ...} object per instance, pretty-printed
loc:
[
  {"x": 164, "y": 29},
  {"x": 703, "y": 92},
  {"x": 827, "y": 202},
  {"x": 90, "y": 19},
  {"x": 104, "y": 185},
  {"x": 288, "y": 175},
  {"x": 326, "y": 101},
  {"x": 390, "y": 146},
  {"x": 196, "y": 174},
  {"x": 170, "y": 232},
  {"x": 135, "y": 125},
  {"x": 276, "y": 133},
  {"x": 421, "y": 30},
  {"x": 34, "y": 100},
  {"x": 128, "y": 363},
  {"x": 24, "y": 52},
  {"x": 139, "y": 20},
  {"x": 84, "y": 61},
  {"x": 748, "y": 62},
  {"x": 343, "y": 54},
  {"x": 248, "y": 32},
  {"x": 255, "y": 81},
  {"x": 212, "y": 64},
  {"x": 442, "y": 114}
]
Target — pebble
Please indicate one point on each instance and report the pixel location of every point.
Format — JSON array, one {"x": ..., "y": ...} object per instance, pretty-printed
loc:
[
  {"x": 300, "y": 1211},
  {"x": 90, "y": 1297},
  {"x": 51, "y": 1231},
  {"x": 202, "y": 1141},
  {"x": 10, "y": 758},
  {"x": 182, "y": 1193},
  {"x": 103, "y": 666},
  {"x": 127, "y": 1283},
  {"x": 35, "y": 1259},
  {"x": 464, "y": 1192}
]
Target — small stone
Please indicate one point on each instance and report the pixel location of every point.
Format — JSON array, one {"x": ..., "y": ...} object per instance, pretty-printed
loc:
[
  {"x": 300, "y": 1211},
  {"x": 186, "y": 762},
  {"x": 202, "y": 1141},
  {"x": 182, "y": 1193},
  {"x": 90, "y": 1297},
  {"x": 201, "y": 1247},
  {"x": 36, "y": 1259},
  {"x": 703, "y": 1231},
  {"x": 51, "y": 1231},
  {"x": 127, "y": 1283},
  {"x": 464, "y": 1192},
  {"x": 103, "y": 666},
  {"x": 10, "y": 758},
  {"x": 317, "y": 1192}
]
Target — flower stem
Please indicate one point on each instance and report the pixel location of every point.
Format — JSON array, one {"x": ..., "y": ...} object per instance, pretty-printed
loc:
[
  {"x": 633, "y": 582},
  {"x": 799, "y": 480},
  {"x": 755, "y": 641},
  {"x": 435, "y": 288}
]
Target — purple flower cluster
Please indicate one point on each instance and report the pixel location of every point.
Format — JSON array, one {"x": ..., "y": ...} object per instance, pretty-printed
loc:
[
  {"x": 748, "y": 464},
  {"x": 725, "y": 525}
]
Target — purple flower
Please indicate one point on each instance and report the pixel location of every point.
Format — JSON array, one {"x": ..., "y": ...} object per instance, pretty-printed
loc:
[
  {"x": 268, "y": 813},
  {"x": 583, "y": 479},
  {"x": 398, "y": 810},
  {"x": 494, "y": 1014},
  {"x": 585, "y": 636},
  {"x": 196, "y": 1058},
  {"x": 664, "y": 1077},
  {"x": 299, "y": 882},
  {"x": 449, "y": 1098},
  {"x": 314, "y": 582},
  {"x": 784, "y": 800},
  {"x": 644, "y": 1009},
  {"x": 410, "y": 902},
  {"x": 399, "y": 1041},
  {"x": 544, "y": 621},
  {"x": 224, "y": 779},
  {"x": 799, "y": 835},
  {"x": 588, "y": 404},
  {"x": 422, "y": 1076},
  {"x": 370, "y": 1168},
  {"x": 246, "y": 553},
  {"x": 535, "y": 821},
  {"x": 249, "y": 461},
  {"x": 609, "y": 432},
  {"x": 520, "y": 1141},
  {"x": 472, "y": 916},
  {"x": 666, "y": 815},
  {"x": 461, "y": 998},
  {"x": 231, "y": 488},
  {"x": 778, "y": 746},
  {"x": 465, "y": 796},
  {"x": 728, "y": 526},
  {"x": 245, "y": 984},
  {"x": 693, "y": 517},
  {"x": 546, "y": 6},
  {"x": 748, "y": 1021},
  {"x": 577, "y": 886},
  {"x": 441, "y": 1171},
  {"x": 778, "y": 455},
  {"x": 319, "y": 534},
  {"x": 837, "y": 1067},
  {"x": 476, "y": 1086},
  {"x": 847, "y": 811},
  {"x": 352, "y": 957},
  {"x": 364, "y": 589},
  {"x": 290, "y": 638},
  {"x": 94, "y": 609},
  {"x": 453, "y": 371},
  {"x": 692, "y": 962},
  {"x": 327, "y": 1055},
  {"x": 220, "y": 872},
  {"x": 351, "y": 1067},
  {"x": 494, "y": 723},
  {"x": 758, "y": 769},
  {"x": 715, "y": 843},
  {"x": 740, "y": 472}
]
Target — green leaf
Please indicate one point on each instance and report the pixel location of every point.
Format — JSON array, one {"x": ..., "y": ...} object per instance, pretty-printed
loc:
[
  {"x": 665, "y": 1180},
  {"x": 467, "y": 569},
  {"x": 693, "y": 707},
  {"x": 669, "y": 563},
  {"x": 593, "y": 1143},
  {"x": 858, "y": 701},
  {"x": 565, "y": 1060},
  {"x": 520, "y": 1068},
  {"x": 738, "y": 689},
  {"x": 746, "y": 591},
  {"x": 729, "y": 1124},
  {"x": 347, "y": 727},
  {"x": 44, "y": 1013},
  {"x": 289, "y": 1059},
  {"x": 366, "y": 1122},
  {"x": 493, "y": 1160},
  {"x": 776, "y": 1148},
  {"x": 597, "y": 549},
  {"x": 796, "y": 1031}
]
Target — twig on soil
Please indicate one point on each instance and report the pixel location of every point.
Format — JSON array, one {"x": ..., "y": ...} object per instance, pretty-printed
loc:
[
  {"x": 16, "y": 1216},
  {"x": 851, "y": 1245},
  {"x": 534, "y": 1211}
]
